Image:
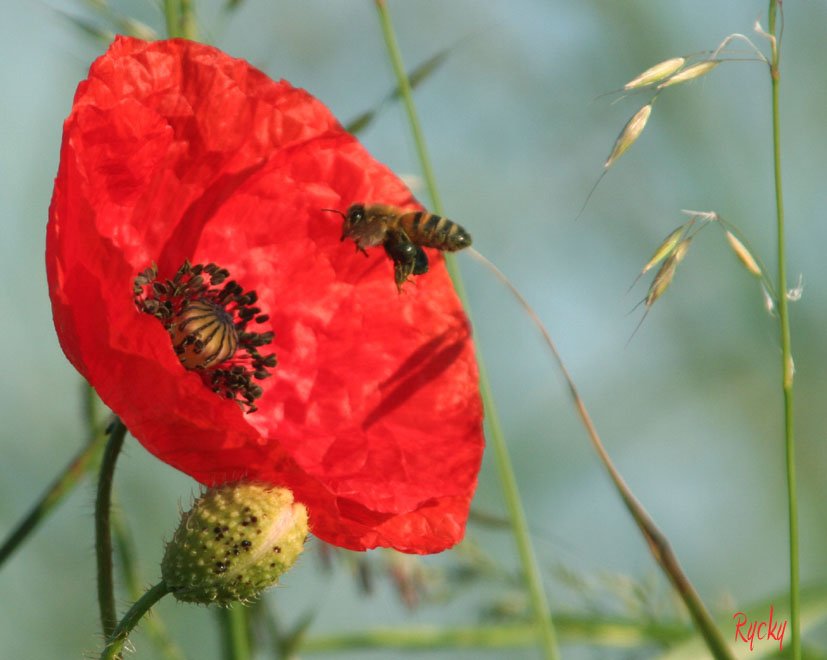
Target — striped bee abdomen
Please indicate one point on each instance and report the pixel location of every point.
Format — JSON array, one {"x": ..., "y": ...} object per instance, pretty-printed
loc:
[{"x": 434, "y": 231}]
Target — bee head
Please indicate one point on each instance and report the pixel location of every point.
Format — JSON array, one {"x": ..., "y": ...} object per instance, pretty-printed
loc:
[
  {"x": 354, "y": 217},
  {"x": 355, "y": 214},
  {"x": 357, "y": 226}
]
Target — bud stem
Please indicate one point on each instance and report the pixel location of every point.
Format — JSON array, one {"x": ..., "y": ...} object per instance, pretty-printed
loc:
[
  {"x": 235, "y": 631},
  {"x": 117, "y": 639}
]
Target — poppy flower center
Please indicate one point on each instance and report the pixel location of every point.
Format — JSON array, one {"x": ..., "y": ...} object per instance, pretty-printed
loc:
[
  {"x": 207, "y": 317},
  {"x": 203, "y": 334}
]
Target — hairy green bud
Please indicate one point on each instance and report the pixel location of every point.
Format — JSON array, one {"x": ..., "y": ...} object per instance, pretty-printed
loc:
[{"x": 235, "y": 541}]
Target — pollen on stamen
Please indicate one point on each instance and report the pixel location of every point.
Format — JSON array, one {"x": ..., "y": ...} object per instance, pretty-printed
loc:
[{"x": 207, "y": 317}]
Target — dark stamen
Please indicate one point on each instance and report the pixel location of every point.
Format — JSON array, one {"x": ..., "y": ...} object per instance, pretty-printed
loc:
[{"x": 207, "y": 316}]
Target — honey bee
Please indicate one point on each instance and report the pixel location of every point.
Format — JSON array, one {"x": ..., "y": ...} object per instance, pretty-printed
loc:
[{"x": 402, "y": 234}]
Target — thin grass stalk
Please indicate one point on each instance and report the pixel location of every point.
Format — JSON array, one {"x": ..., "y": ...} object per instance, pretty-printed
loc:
[
  {"x": 659, "y": 545},
  {"x": 528, "y": 559},
  {"x": 598, "y": 631},
  {"x": 85, "y": 460},
  {"x": 103, "y": 534},
  {"x": 787, "y": 367}
]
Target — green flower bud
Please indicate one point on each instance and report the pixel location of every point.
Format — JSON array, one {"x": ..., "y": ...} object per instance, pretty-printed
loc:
[{"x": 234, "y": 542}]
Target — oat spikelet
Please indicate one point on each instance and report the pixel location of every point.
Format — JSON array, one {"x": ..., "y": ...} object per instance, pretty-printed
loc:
[
  {"x": 656, "y": 73},
  {"x": 631, "y": 131},
  {"x": 690, "y": 73},
  {"x": 664, "y": 250},
  {"x": 663, "y": 278},
  {"x": 743, "y": 254}
]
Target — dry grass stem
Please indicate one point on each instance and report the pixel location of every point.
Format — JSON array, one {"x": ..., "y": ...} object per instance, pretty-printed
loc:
[{"x": 738, "y": 35}]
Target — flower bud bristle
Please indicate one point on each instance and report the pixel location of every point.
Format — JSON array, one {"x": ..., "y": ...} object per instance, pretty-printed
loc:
[{"x": 235, "y": 541}]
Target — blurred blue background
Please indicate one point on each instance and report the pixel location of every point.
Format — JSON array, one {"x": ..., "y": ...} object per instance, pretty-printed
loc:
[{"x": 690, "y": 409}]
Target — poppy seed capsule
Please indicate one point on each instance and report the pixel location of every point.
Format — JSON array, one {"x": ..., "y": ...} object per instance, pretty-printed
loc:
[
  {"x": 235, "y": 541},
  {"x": 203, "y": 334}
]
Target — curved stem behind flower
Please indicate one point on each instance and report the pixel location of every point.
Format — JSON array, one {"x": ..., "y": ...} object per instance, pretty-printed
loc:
[
  {"x": 103, "y": 536},
  {"x": 528, "y": 559},
  {"x": 180, "y": 19},
  {"x": 172, "y": 17},
  {"x": 116, "y": 640},
  {"x": 659, "y": 545}
]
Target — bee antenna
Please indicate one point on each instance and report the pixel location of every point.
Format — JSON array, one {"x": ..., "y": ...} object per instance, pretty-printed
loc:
[{"x": 336, "y": 211}]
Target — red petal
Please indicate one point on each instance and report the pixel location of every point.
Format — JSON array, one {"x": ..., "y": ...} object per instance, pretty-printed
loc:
[{"x": 176, "y": 151}]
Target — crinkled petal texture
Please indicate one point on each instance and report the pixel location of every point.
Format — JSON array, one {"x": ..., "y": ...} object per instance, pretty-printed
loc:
[{"x": 372, "y": 417}]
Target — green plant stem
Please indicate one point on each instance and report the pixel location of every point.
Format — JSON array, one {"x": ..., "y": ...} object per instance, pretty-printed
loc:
[
  {"x": 189, "y": 29},
  {"x": 597, "y": 631},
  {"x": 787, "y": 367},
  {"x": 172, "y": 17},
  {"x": 154, "y": 627},
  {"x": 116, "y": 640},
  {"x": 69, "y": 477},
  {"x": 528, "y": 559},
  {"x": 235, "y": 632},
  {"x": 658, "y": 544},
  {"x": 180, "y": 19},
  {"x": 103, "y": 536}
]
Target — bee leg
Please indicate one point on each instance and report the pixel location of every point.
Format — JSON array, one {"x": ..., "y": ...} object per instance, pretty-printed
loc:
[
  {"x": 401, "y": 274},
  {"x": 404, "y": 255}
]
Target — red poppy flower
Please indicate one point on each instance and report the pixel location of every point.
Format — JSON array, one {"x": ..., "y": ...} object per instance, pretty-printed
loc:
[{"x": 177, "y": 155}]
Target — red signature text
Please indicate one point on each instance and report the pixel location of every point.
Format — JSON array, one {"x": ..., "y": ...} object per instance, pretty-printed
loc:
[{"x": 759, "y": 629}]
